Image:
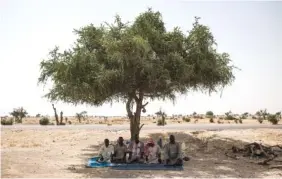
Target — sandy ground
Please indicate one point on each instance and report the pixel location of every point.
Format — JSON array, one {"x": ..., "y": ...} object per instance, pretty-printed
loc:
[{"x": 62, "y": 153}]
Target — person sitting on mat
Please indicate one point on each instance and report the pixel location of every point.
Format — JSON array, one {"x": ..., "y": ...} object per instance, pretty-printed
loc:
[
  {"x": 120, "y": 150},
  {"x": 106, "y": 151},
  {"x": 172, "y": 152},
  {"x": 152, "y": 152},
  {"x": 136, "y": 151}
]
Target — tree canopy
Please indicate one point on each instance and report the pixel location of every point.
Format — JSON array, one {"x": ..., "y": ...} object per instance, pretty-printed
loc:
[{"x": 132, "y": 62}]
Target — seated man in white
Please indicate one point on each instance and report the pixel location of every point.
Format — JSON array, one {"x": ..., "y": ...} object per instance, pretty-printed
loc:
[
  {"x": 152, "y": 152},
  {"x": 106, "y": 151}
]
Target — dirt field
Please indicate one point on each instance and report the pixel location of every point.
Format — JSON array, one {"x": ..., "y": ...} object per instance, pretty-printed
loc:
[{"x": 58, "y": 153}]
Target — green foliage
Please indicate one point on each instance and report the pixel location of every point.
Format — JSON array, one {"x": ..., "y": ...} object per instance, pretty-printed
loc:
[
  {"x": 278, "y": 114},
  {"x": 262, "y": 113},
  {"x": 273, "y": 118},
  {"x": 186, "y": 119},
  {"x": 229, "y": 116},
  {"x": 163, "y": 115},
  {"x": 38, "y": 115},
  {"x": 19, "y": 114},
  {"x": 209, "y": 113},
  {"x": 7, "y": 121},
  {"x": 240, "y": 121},
  {"x": 161, "y": 122},
  {"x": 133, "y": 62},
  {"x": 44, "y": 121},
  {"x": 244, "y": 115}
]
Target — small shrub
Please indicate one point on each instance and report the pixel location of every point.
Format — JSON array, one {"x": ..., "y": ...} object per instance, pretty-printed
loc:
[
  {"x": 254, "y": 117},
  {"x": 240, "y": 121},
  {"x": 44, "y": 121},
  {"x": 161, "y": 123},
  {"x": 236, "y": 121},
  {"x": 186, "y": 119},
  {"x": 211, "y": 120},
  {"x": 273, "y": 119},
  {"x": 69, "y": 122},
  {"x": 260, "y": 120},
  {"x": 8, "y": 121}
]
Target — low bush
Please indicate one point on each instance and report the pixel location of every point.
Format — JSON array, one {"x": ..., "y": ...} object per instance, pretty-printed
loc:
[
  {"x": 8, "y": 121},
  {"x": 44, "y": 121},
  {"x": 161, "y": 122},
  {"x": 186, "y": 119},
  {"x": 211, "y": 120},
  {"x": 273, "y": 119},
  {"x": 260, "y": 120}
]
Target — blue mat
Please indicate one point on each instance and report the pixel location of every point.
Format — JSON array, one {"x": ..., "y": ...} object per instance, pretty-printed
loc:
[
  {"x": 147, "y": 167},
  {"x": 93, "y": 163}
]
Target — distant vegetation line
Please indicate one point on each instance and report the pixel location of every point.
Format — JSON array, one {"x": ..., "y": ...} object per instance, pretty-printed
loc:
[{"x": 18, "y": 114}]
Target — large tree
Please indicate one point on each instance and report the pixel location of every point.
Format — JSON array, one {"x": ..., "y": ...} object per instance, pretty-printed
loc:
[{"x": 135, "y": 62}]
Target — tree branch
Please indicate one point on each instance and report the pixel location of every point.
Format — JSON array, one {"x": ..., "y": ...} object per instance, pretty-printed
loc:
[
  {"x": 128, "y": 109},
  {"x": 141, "y": 127},
  {"x": 145, "y": 104}
]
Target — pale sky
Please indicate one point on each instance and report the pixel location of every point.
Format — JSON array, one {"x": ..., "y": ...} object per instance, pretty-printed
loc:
[{"x": 251, "y": 32}]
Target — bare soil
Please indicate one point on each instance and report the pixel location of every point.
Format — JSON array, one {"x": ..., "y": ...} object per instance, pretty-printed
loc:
[{"x": 62, "y": 153}]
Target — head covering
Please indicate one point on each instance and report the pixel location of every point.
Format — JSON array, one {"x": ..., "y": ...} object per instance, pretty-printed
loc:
[{"x": 150, "y": 141}]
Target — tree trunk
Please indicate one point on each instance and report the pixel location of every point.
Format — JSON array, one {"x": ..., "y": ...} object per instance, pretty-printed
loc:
[
  {"x": 135, "y": 126},
  {"x": 56, "y": 115},
  {"x": 61, "y": 118}
]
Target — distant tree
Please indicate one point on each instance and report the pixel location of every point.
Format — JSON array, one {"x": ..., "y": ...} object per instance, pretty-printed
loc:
[
  {"x": 209, "y": 113},
  {"x": 19, "y": 114},
  {"x": 163, "y": 115},
  {"x": 135, "y": 62},
  {"x": 38, "y": 115},
  {"x": 229, "y": 116},
  {"x": 278, "y": 114},
  {"x": 244, "y": 115},
  {"x": 81, "y": 115},
  {"x": 194, "y": 114},
  {"x": 262, "y": 113}
]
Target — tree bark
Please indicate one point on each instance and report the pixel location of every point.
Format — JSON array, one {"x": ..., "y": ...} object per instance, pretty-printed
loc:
[
  {"x": 56, "y": 115},
  {"x": 135, "y": 117}
]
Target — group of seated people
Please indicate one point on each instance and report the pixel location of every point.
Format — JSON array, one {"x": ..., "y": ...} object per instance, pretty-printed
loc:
[{"x": 140, "y": 153}]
